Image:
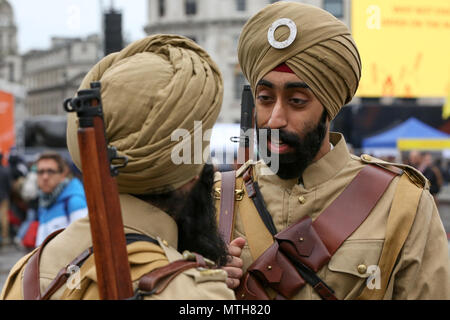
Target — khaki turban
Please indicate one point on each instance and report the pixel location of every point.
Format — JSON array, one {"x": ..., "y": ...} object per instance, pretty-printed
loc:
[
  {"x": 151, "y": 88},
  {"x": 323, "y": 53}
]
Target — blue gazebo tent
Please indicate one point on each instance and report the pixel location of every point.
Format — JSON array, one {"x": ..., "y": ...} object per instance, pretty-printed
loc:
[{"x": 411, "y": 128}]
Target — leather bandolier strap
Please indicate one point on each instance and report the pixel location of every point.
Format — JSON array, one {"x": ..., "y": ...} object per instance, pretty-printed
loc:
[
  {"x": 153, "y": 282},
  {"x": 302, "y": 249}
]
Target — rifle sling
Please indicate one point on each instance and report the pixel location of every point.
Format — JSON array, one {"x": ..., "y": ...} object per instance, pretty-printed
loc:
[
  {"x": 31, "y": 277},
  {"x": 227, "y": 196},
  {"x": 254, "y": 193},
  {"x": 320, "y": 286}
]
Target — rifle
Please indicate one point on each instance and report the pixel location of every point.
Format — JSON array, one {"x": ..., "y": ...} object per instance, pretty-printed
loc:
[
  {"x": 102, "y": 196},
  {"x": 245, "y": 151}
]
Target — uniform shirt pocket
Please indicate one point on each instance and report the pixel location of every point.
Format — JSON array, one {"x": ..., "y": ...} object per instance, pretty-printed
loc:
[{"x": 351, "y": 266}]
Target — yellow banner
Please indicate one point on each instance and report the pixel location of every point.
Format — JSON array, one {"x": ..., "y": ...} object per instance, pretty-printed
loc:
[
  {"x": 423, "y": 144},
  {"x": 446, "y": 107},
  {"x": 404, "y": 47}
]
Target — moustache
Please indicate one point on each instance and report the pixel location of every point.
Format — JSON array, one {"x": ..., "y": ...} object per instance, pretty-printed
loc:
[{"x": 291, "y": 139}]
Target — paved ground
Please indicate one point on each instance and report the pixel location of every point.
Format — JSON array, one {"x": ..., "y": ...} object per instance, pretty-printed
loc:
[{"x": 9, "y": 255}]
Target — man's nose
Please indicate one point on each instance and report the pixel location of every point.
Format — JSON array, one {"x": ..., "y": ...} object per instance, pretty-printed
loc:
[{"x": 278, "y": 118}]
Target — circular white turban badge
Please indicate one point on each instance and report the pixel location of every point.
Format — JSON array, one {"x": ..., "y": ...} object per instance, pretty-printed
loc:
[{"x": 292, "y": 34}]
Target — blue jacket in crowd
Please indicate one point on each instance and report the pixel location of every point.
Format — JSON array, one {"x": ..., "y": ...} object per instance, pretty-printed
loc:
[{"x": 68, "y": 207}]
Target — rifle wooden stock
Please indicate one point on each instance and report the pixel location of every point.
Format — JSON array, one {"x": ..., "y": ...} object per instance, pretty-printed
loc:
[
  {"x": 105, "y": 217},
  {"x": 245, "y": 151}
]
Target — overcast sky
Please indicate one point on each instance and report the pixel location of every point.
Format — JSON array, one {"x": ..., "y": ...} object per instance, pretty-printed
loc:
[{"x": 38, "y": 20}]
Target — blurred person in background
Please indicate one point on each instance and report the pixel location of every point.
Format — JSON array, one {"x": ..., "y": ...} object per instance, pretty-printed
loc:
[
  {"x": 414, "y": 159},
  {"x": 30, "y": 194},
  {"x": 445, "y": 169},
  {"x": 432, "y": 173},
  {"x": 5, "y": 189},
  {"x": 61, "y": 196},
  {"x": 18, "y": 166},
  {"x": 423, "y": 161},
  {"x": 18, "y": 206}
]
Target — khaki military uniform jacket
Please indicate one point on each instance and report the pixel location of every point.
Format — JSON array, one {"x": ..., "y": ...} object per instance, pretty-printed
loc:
[
  {"x": 138, "y": 217},
  {"x": 422, "y": 270}
]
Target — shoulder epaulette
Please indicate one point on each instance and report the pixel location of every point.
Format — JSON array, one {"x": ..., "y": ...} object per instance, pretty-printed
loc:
[{"x": 413, "y": 174}]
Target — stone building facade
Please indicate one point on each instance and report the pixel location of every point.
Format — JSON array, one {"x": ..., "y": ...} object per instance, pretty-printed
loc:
[{"x": 50, "y": 76}]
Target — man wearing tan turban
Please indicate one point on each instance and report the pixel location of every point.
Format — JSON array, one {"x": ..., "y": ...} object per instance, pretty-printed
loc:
[
  {"x": 149, "y": 89},
  {"x": 303, "y": 67}
]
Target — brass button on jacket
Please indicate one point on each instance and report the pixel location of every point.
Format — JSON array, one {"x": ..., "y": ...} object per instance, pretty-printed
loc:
[
  {"x": 362, "y": 269},
  {"x": 302, "y": 199}
]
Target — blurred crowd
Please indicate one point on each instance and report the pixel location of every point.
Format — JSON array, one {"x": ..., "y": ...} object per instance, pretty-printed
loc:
[
  {"x": 432, "y": 167},
  {"x": 38, "y": 198}
]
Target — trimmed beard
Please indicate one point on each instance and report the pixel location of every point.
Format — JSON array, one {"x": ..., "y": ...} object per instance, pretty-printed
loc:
[{"x": 293, "y": 164}]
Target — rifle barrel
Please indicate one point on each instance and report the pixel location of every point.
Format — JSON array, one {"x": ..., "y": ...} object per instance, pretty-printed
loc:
[
  {"x": 247, "y": 116},
  {"x": 102, "y": 197}
]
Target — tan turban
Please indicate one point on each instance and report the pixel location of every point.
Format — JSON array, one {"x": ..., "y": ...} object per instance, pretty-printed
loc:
[
  {"x": 323, "y": 53},
  {"x": 151, "y": 88}
]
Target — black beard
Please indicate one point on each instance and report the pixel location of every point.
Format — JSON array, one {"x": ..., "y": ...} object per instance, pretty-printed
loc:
[
  {"x": 293, "y": 164},
  {"x": 196, "y": 220}
]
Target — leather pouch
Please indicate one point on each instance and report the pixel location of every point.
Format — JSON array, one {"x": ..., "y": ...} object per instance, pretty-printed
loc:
[
  {"x": 302, "y": 243},
  {"x": 275, "y": 270},
  {"x": 250, "y": 289}
]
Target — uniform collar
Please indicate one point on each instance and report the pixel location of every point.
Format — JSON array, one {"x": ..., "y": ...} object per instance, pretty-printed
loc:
[
  {"x": 141, "y": 217},
  {"x": 329, "y": 165},
  {"x": 318, "y": 172}
]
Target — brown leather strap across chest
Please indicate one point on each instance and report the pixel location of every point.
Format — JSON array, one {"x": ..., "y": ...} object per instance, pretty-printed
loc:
[
  {"x": 226, "y": 218},
  {"x": 339, "y": 220},
  {"x": 312, "y": 244}
]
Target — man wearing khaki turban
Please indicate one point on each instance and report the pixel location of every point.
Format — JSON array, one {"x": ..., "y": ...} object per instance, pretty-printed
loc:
[
  {"x": 149, "y": 89},
  {"x": 303, "y": 67}
]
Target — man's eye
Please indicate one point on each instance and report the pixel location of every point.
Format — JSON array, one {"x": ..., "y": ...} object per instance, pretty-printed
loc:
[
  {"x": 263, "y": 98},
  {"x": 298, "y": 101}
]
